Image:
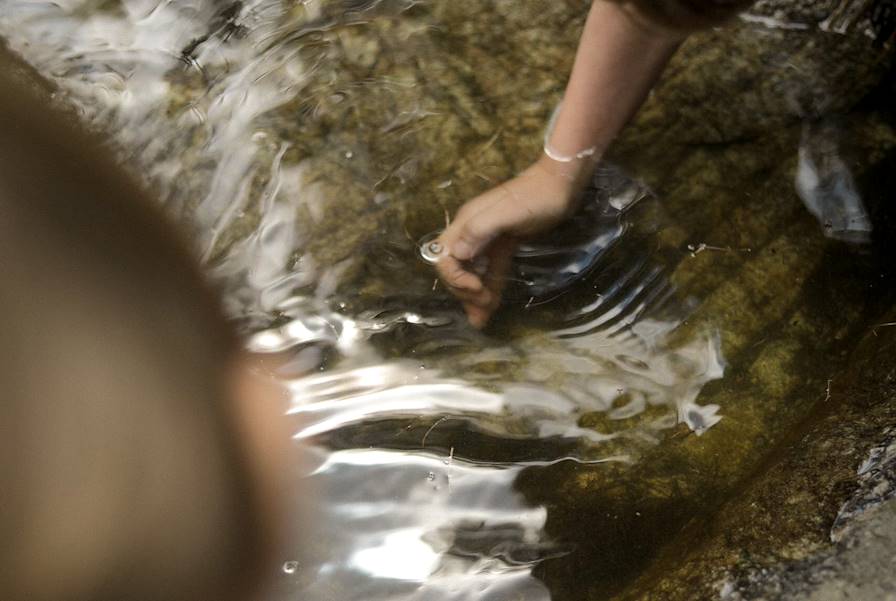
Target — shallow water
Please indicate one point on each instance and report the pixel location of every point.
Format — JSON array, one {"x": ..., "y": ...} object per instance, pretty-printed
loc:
[{"x": 311, "y": 145}]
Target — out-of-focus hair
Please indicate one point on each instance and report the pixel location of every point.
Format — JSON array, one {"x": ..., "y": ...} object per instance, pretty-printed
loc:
[
  {"x": 120, "y": 475},
  {"x": 687, "y": 15}
]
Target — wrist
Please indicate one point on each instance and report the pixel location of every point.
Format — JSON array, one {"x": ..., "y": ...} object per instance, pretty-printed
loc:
[{"x": 570, "y": 176}]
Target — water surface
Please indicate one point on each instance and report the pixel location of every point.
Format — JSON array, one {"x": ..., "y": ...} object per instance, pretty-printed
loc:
[{"x": 310, "y": 146}]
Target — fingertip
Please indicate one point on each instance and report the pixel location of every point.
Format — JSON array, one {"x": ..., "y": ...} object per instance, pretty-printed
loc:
[
  {"x": 478, "y": 322},
  {"x": 477, "y": 316}
]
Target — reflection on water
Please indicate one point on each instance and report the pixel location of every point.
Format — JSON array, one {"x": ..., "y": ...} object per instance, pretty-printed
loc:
[
  {"x": 420, "y": 425},
  {"x": 827, "y": 187},
  {"x": 405, "y": 525},
  {"x": 419, "y": 455},
  {"x": 418, "y": 511}
]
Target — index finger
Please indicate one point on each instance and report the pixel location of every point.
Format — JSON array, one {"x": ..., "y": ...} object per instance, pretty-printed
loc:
[{"x": 452, "y": 272}]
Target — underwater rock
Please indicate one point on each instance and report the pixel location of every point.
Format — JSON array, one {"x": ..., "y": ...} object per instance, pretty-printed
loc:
[
  {"x": 816, "y": 519},
  {"x": 776, "y": 66},
  {"x": 861, "y": 567}
]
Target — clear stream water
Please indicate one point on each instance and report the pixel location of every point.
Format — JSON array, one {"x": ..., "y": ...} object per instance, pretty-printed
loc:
[{"x": 420, "y": 427}]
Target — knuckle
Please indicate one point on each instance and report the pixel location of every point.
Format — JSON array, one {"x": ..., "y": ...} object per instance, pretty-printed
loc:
[
  {"x": 472, "y": 230},
  {"x": 457, "y": 279},
  {"x": 466, "y": 235}
]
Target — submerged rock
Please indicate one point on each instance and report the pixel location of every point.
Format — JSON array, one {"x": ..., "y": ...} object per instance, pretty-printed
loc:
[
  {"x": 815, "y": 521},
  {"x": 861, "y": 567}
]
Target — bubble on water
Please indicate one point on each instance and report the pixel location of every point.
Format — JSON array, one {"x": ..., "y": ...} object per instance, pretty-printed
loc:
[{"x": 431, "y": 476}]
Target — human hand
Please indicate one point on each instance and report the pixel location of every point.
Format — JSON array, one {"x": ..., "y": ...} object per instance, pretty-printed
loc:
[{"x": 478, "y": 246}]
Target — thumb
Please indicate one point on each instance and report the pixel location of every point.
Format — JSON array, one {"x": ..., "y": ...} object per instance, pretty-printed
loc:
[{"x": 465, "y": 239}]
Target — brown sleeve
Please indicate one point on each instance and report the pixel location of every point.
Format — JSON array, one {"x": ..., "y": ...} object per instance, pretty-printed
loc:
[{"x": 687, "y": 15}]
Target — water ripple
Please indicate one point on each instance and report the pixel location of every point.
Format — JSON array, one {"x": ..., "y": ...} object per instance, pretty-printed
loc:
[{"x": 420, "y": 426}]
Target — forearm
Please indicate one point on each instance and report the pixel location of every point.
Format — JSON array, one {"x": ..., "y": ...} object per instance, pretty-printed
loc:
[{"x": 618, "y": 60}]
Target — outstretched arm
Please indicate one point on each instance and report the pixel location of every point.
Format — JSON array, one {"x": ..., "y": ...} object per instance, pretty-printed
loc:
[{"x": 620, "y": 56}]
